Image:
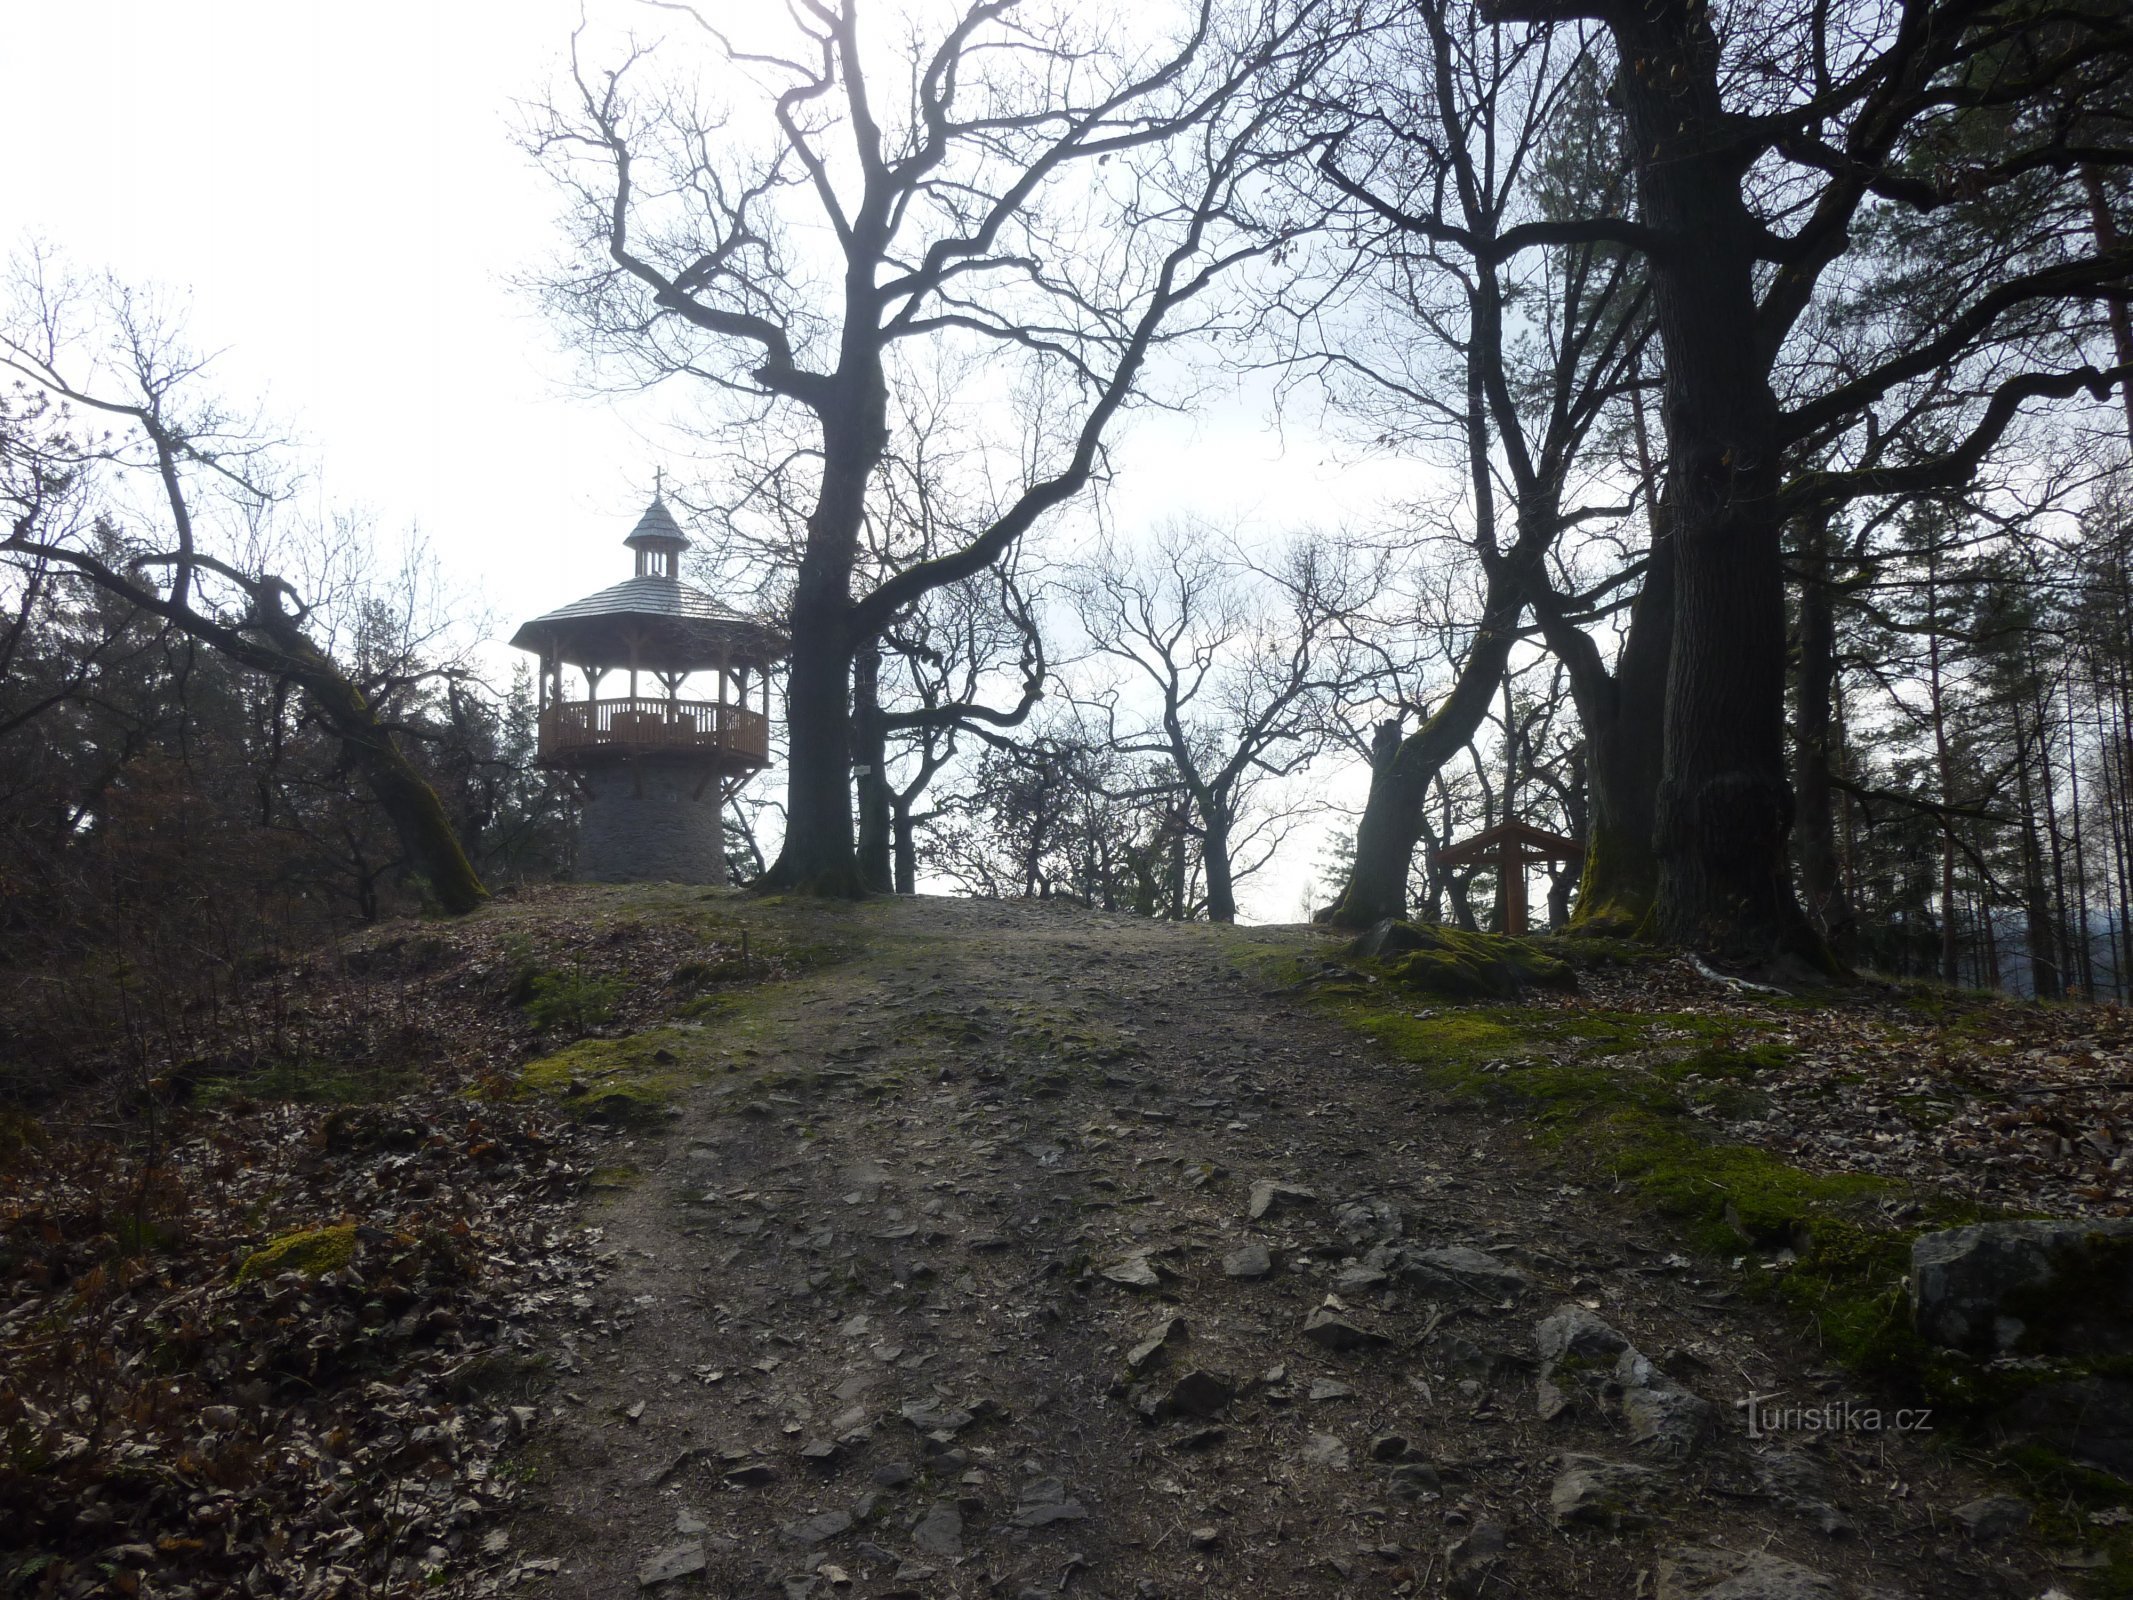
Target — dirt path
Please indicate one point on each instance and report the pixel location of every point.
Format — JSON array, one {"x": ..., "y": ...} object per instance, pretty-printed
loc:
[{"x": 873, "y": 1299}]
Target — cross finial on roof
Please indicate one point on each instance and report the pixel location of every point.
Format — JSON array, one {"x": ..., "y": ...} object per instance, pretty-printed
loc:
[{"x": 659, "y": 483}]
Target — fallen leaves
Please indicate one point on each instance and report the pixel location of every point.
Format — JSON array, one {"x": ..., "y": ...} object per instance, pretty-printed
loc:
[{"x": 330, "y": 1420}]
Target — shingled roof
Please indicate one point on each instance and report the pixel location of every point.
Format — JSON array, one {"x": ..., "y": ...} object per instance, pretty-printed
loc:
[
  {"x": 675, "y": 626},
  {"x": 657, "y": 529}
]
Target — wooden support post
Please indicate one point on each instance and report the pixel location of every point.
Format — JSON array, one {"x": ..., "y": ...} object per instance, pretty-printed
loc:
[
  {"x": 1513, "y": 874},
  {"x": 725, "y": 673}
]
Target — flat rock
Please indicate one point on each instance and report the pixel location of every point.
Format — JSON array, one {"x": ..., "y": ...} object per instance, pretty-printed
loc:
[
  {"x": 931, "y": 1416},
  {"x": 1248, "y": 1261},
  {"x": 815, "y": 1529},
  {"x": 1462, "y": 1268},
  {"x": 681, "y": 1560},
  {"x": 1045, "y": 1502},
  {"x": 1199, "y": 1393},
  {"x": 1978, "y": 1289},
  {"x": 1367, "y": 1222},
  {"x": 1601, "y": 1493},
  {"x": 1674, "y": 1422},
  {"x": 1158, "y": 1338},
  {"x": 1325, "y": 1450},
  {"x": 1574, "y": 1332},
  {"x": 1796, "y": 1478},
  {"x": 1473, "y": 1559},
  {"x": 1702, "y": 1573},
  {"x": 1411, "y": 1480},
  {"x": 1994, "y": 1517},
  {"x": 1330, "y": 1330},
  {"x": 1270, "y": 1195},
  {"x": 940, "y": 1530},
  {"x": 1132, "y": 1272}
]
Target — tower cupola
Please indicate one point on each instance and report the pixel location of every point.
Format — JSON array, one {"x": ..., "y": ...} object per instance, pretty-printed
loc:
[{"x": 658, "y": 541}]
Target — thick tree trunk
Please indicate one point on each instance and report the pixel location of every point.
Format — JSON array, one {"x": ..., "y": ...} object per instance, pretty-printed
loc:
[
  {"x": 1621, "y": 881},
  {"x": 1623, "y": 713},
  {"x": 1725, "y": 805},
  {"x": 1814, "y": 757},
  {"x": 870, "y": 756},
  {"x": 1214, "y": 852},
  {"x": 904, "y": 828},
  {"x": 1399, "y": 782},
  {"x": 819, "y": 856}
]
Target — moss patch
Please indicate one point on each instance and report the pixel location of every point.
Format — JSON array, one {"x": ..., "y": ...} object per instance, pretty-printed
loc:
[
  {"x": 311, "y": 1251},
  {"x": 309, "y": 1082},
  {"x": 634, "y": 1079},
  {"x": 2067, "y": 1496},
  {"x": 570, "y": 1002},
  {"x": 1459, "y": 965},
  {"x": 20, "y": 1133}
]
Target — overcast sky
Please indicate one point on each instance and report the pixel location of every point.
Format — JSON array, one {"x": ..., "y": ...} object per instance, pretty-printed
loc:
[{"x": 337, "y": 190}]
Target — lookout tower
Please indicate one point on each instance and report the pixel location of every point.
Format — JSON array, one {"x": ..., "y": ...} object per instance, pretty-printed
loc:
[{"x": 655, "y": 766}]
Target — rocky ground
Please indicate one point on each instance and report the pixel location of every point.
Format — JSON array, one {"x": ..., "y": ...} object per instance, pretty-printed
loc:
[{"x": 1026, "y": 1250}]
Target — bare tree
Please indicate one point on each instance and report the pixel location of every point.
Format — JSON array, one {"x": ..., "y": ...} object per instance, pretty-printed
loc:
[
  {"x": 115, "y": 406},
  {"x": 1229, "y": 667},
  {"x": 943, "y": 656},
  {"x": 1500, "y": 337},
  {"x": 1032, "y": 185}
]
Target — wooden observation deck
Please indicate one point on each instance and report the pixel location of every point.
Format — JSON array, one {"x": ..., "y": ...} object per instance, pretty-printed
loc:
[{"x": 573, "y": 730}]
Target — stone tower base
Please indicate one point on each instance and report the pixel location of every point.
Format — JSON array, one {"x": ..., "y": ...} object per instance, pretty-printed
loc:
[{"x": 642, "y": 826}]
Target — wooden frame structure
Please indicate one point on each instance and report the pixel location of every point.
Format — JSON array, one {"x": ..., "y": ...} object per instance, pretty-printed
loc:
[{"x": 1510, "y": 847}]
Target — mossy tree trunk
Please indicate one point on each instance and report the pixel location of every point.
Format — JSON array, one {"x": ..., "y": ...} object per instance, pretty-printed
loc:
[
  {"x": 1623, "y": 714},
  {"x": 418, "y": 817},
  {"x": 1725, "y": 805}
]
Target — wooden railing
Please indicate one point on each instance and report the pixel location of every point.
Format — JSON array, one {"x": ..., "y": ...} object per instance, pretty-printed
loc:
[{"x": 574, "y": 727}]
